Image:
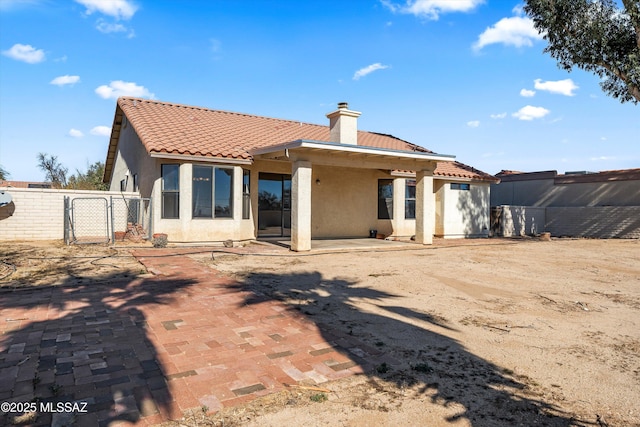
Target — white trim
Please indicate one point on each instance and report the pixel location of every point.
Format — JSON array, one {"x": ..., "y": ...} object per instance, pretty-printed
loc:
[
  {"x": 195, "y": 159},
  {"x": 332, "y": 146}
]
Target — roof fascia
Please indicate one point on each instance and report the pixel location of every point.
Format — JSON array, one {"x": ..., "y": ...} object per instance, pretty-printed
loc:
[
  {"x": 332, "y": 146},
  {"x": 191, "y": 158}
]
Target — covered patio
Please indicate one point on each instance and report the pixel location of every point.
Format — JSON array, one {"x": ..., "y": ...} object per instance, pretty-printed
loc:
[{"x": 304, "y": 155}]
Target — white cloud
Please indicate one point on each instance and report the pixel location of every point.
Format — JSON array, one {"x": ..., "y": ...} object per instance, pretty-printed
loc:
[
  {"x": 106, "y": 27},
  {"x": 473, "y": 123},
  {"x": 25, "y": 53},
  {"x": 518, "y": 10},
  {"x": 498, "y": 116},
  {"x": 101, "y": 131},
  {"x": 595, "y": 159},
  {"x": 432, "y": 9},
  {"x": 368, "y": 70},
  {"x": 118, "y": 88},
  {"x": 529, "y": 113},
  {"x": 119, "y": 9},
  {"x": 75, "y": 133},
  {"x": 65, "y": 80},
  {"x": 527, "y": 93},
  {"x": 562, "y": 87},
  {"x": 515, "y": 31}
]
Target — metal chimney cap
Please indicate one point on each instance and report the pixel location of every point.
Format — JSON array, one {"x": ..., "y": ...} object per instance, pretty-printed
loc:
[{"x": 343, "y": 106}]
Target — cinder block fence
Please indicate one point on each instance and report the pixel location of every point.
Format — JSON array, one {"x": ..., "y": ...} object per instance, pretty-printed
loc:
[
  {"x": 38, "y": 213},
  {"x": 603, "y": 222}
]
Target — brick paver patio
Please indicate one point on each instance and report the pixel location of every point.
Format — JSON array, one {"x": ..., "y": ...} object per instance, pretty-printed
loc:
[{"x": 146, "y": 350}]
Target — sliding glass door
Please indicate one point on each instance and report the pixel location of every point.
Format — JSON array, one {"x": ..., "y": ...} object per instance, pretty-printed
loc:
[{"x": 274, "y": 205}]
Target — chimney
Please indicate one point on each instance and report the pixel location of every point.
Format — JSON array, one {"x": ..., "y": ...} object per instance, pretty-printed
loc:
[{"x": 343, "y": 125}]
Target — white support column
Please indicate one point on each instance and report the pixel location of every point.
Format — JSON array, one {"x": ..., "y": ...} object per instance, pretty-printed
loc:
[
  {"x": 398, "y": 205},
  {"x": 186, "y": 191},
  {"x": 425, "y": 210},
  {"x": 301, "y": 206},
  {"x": 237, "y": 193}
]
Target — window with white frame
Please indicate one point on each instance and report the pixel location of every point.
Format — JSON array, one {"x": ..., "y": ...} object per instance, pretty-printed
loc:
[
  {"x": 170, "y": 190},
  {"x": 246, "y": 194},
  {"x": 410, "y": 199}
]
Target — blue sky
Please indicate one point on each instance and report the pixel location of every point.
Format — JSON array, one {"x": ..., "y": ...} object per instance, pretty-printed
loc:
[{"x": 461, "y": 77}]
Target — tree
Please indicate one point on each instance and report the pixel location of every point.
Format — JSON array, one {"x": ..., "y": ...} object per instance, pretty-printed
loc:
[
  {"x": 55, "y": 172},
  {"x": 91, "y": 180},
  {"x": 596, "y": 36},
  {"x": 3, "y": 173}
]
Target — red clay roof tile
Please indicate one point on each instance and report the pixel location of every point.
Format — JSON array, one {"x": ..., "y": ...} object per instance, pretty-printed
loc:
[{"x": 181, "y": 129}]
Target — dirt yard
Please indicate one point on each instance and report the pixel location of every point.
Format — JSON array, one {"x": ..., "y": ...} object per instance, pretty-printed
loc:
[
  {"x": 477, "y": 333},
  {"x": 492, "y": 332}
]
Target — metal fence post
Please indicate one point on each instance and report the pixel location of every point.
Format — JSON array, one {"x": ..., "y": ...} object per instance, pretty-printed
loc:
[
  {"x": 66, "y": 220},
  {"x": 113, "y": 228}
]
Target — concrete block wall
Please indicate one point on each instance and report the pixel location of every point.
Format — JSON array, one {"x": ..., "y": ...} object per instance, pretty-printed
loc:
[
  {"x": 38, "y": 214},
  {"x": 594, "y": 221},
  {"x": 603, "y": 222},
  {"x": 522, "y": 221}
]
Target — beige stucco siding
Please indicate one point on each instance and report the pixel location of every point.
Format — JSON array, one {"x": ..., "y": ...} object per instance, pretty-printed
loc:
[
  {"x": 462, "y": 213},
  {"x": 133, "y": 159},
  {"x": 344, "y": 202},
  {"x": 189, "y": 229}
]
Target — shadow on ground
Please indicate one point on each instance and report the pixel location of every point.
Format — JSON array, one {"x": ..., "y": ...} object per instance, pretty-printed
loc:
[
  {"x": 84, "y": 342},
  {"x": 439, "y": 368}
]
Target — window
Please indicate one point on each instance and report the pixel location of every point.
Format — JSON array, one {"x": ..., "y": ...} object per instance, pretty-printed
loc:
[
  {"x": 224, "y": 193},
  {"x": 136, "y": 184},
  {"x": 202, "y": 191},
  {"x": 212, "y": 192},
  {"x": 246, "y": 194},
  {"x": 170, "y": 191},
  {"x": 410, "y": 199},
  {"x": 123, "y": 185},
  {"x": 459, "y": 186},
  {"x": 385, "y": 199}
]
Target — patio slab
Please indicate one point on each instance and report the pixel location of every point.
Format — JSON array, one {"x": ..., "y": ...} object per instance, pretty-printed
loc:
[{"x": 145, "y": 350}]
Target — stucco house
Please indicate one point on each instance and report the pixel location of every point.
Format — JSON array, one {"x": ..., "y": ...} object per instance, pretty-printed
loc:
[{"x": 215, "y": 175}]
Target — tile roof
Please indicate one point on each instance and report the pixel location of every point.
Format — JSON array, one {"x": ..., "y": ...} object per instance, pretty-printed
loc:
[
  {"x": 25, "y": 184},
  {"x": 181, "y": 129}
]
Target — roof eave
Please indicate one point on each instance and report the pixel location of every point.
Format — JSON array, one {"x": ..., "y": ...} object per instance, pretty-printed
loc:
[
  {"x": 333, "y": 146},
  {"x": 200, "y": 158}
]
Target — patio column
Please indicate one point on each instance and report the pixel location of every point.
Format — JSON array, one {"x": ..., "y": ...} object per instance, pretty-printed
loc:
[
  {"x": 301, "y": 206},
  {"x": 425, "y": 211}
]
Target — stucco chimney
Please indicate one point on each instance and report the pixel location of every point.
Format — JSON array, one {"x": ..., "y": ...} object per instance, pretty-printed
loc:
[{"x": 343, "y": 125}]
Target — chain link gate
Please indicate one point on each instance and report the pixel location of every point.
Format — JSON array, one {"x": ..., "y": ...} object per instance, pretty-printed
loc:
[
  {"x": 86, "y": 220},
  {"x": 101, "y": 220}
]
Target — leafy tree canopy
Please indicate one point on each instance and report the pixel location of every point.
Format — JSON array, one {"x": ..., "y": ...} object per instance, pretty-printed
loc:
[
  {"x": 3, "y": 173},
  {"x": 56, "y": 173},
  {"x": 90, "y": 180},
  {"x": 596, "y": 36}
]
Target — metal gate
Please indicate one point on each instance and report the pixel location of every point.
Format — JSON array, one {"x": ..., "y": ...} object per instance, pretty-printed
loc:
[
  {"x": 102, "y": 220},
  {"x": 86, "y": 220}
]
